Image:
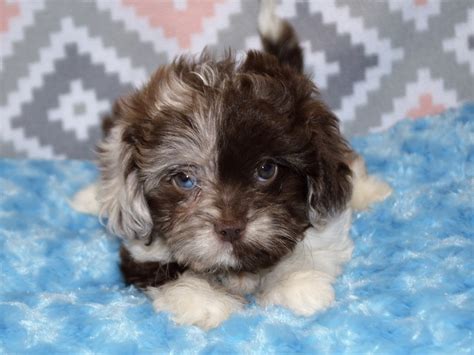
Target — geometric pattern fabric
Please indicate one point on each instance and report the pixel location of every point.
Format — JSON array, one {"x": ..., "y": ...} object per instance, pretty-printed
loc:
[{"x": 63, "y": 63}]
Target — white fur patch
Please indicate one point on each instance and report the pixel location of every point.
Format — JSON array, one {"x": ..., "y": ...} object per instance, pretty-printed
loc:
[
  {"x": 258, "y": 230},
  {"x": 157, "y": 251},
  {"x": 304, "y": 292},
  {"x": 193, "y": 301},
  {"x": 303, "y": 280},
  {"x": 327, "y": 249},
  {"x": 203, "y": 250},
  {"x": 367, "y": 189},
  {"x": 85, "y": 201}
]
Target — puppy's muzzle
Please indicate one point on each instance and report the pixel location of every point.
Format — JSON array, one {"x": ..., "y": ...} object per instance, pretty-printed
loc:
[{"x": 229, "y": 231}]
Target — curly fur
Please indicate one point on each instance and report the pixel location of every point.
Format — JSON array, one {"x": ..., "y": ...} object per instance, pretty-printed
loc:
[{"x": 218, "y": 121}]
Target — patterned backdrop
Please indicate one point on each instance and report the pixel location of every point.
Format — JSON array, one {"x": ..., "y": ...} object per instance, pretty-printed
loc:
[{"x": 63, "y": 62}]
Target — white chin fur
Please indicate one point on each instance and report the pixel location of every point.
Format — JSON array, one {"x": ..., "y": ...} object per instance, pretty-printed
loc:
[
  {"x": 205, "y": 252},
  {"x": 192, "y": 300}
]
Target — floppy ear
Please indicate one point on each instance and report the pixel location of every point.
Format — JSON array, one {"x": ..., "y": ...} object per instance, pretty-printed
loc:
[
  {"x": 326, "y": 163},
  {"x": 120, "y": 194},
  {"x": 329, "y": 175}
]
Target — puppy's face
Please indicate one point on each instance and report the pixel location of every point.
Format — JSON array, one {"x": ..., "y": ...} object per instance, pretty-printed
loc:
[
  {"x": 228, "y": 196},
  {"x": 229, "y": 164}
]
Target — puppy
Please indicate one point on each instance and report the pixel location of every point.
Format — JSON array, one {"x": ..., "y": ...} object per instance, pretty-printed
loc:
[{"x": 227, "y": 178}]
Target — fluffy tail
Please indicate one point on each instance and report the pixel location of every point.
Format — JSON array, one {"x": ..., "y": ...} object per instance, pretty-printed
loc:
[{"x": 278, "y": 37}]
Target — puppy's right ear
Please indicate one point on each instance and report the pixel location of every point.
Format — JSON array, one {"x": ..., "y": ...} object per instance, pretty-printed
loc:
[{"x": 120, "y": 194}]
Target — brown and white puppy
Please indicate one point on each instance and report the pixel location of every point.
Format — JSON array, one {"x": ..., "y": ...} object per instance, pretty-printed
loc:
[{"x": 225, "y": 178}]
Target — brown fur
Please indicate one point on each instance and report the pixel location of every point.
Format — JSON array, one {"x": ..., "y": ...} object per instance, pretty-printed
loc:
[
  {"x": 218, "y": 120},
  {"x": 286, "y": 48},
  {"x": 149, "y": 273}
]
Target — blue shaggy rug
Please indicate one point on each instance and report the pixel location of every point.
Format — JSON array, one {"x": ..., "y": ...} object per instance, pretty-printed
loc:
[{"x": 408, "y": 289}]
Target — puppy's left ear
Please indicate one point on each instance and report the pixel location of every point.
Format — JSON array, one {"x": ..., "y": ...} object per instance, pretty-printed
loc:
[
  {"x": 328, "y": 174},
  {"x": 120, "y": 194}
]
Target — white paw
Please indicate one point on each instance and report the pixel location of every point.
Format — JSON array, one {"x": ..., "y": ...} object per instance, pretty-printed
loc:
[
  {"x": 85, "y": 201},
  {"x": 366, "y": 189},
  {"x": 193, "y": 301},
  {"x": 304, "y": 292}
]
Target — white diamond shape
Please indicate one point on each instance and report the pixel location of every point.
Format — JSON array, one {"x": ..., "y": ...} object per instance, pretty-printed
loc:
[
  {"x": 77, "y": 122},
  {"x": 92, "y": 46}
]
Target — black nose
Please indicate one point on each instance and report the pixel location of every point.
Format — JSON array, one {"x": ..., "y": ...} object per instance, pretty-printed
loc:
[{"x": 229, "y": 232}]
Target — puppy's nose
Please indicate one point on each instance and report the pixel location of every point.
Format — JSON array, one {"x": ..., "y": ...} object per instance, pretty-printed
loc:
[{"x": 229, "y": 232}]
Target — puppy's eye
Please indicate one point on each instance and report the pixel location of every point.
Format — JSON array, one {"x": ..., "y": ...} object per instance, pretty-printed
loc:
[
  {"x": 266, "y": 171},
  {"x": 184, "y": 181}
]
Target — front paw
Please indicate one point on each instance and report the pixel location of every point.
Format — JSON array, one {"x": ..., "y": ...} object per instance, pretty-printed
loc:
[
  {"x": 193, "y": 301},
  {"x": 304, "y": 292},
  {"x": 366, "y": 189},
  {"x": 85, "y": 201}
]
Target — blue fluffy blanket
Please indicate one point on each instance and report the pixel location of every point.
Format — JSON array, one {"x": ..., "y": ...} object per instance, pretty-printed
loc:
[{"x": 408, "y": 288}]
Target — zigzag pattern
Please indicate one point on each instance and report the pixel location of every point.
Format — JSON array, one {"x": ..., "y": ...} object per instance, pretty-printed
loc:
[{"x": 63, "y": 63}]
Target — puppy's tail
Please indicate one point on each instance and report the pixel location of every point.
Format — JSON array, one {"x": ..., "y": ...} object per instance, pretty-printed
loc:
[{"x": 278, "y": 36}]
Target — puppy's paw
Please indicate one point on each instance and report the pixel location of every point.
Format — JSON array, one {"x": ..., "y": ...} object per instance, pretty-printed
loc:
[
  {"x": 193, "y": 301},
  {"x": 304, "y": 292},
  {"x": 85, "y": 201},
  {"x": 366, "y": 189}
]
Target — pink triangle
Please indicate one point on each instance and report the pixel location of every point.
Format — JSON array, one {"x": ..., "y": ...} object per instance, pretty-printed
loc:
[
  {"x": 179, "y": 24},
  {"x": 420, "y": 2},
  {"x": 426, "y": 107},
  {"x": 7, "y": 12}
]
